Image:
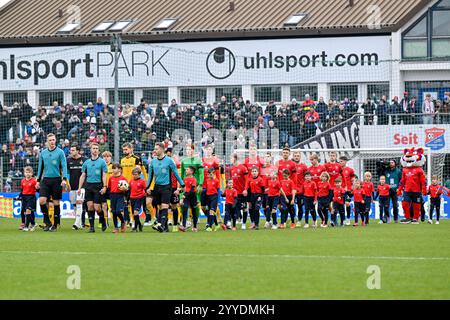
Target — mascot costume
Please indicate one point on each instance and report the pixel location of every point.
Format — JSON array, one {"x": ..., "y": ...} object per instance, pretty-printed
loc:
[{"x": 412, "y": 184}]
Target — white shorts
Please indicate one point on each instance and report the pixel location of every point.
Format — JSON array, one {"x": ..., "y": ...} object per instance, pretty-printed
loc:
[{"x": 74, "y": 197}]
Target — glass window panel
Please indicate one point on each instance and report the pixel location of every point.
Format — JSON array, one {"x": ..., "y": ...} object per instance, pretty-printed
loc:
[
  {"x": 441, "y": 23},
  {"x": 378, "y": 90},
  {"x": 47, "y": 98},
  {"x": 420, "y": 30},
  {"x": 339, "y": 92},
  {"x": 125, "y": 96},
  {"x": 191, "y": 95},
  {"x": 228, "y": 92},
  {"x": 266, "y": 94},
  {"x": 444, "y": 4},
  {"x": 9, "y": 98},
  {"x": 84, "y": 97},
  {"x": 299, "y": 92},
  {"x": 156, "y": 95},
  {"x": 440, "y": 47},
  {"x": 414, "y": 48}
]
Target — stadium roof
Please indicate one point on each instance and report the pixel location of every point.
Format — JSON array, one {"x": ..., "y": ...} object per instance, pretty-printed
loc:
[{"x": 46, "y": 21}]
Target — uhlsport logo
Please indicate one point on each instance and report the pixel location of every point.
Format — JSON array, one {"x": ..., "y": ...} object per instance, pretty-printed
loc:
[
  {"x": 221, "y": 63},
  {"x": 435, "y": 138}
]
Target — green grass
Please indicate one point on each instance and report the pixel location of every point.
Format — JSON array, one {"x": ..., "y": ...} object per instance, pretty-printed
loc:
[{"x": 267, "y": 264}]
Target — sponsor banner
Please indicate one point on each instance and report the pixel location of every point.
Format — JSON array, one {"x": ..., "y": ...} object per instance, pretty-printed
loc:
[
  {"x": 435, "y": 137},
  {"x": 300, "y": 60},
  {"x": 12, "y": 207}
]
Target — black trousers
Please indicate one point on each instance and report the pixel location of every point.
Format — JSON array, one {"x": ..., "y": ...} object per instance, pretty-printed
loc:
[{"x": 394, "y": 198}]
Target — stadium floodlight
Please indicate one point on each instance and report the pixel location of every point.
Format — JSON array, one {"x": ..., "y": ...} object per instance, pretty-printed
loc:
[
  {"x": 165, "y": 24},
  {"x": 295, "y": 19},
  {"x": 120, "y": 25},
  {"x": 103, "y": 26},
  {"x": 69, "y": 27}
]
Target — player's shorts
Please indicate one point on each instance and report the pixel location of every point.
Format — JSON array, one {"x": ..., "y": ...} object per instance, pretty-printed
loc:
[
  {"x": 93, "y": 192},
  {"x": 161, "y": 194},
  {"x": 348, "y": 196},
  {"x": 117, "y": 202},
  {"x": 273, "y": 202},
  {"x": 174, "y": 199},
  {"x": 74, "y": 197},
  {"x": 241, "y": 202},
  {"x": 29, "y": 202},
  {"x": 136, "y": 204},
  {"x": 106, "y": 196},
  {"x": 212, "y": 202},
  {"x": 51, "y": 187},
  {"x": 414, "y": 197},
  {"x": 203, "y": 198}
]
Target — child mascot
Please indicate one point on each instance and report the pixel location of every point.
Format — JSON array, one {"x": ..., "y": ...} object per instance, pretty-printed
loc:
[{"x": 412, "y": 184}]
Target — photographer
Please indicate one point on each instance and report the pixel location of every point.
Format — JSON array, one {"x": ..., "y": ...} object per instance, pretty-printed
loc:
[{"x": 393, "y": 175}]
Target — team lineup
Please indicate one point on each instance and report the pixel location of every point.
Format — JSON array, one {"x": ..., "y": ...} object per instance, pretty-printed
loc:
[{"x": 171, "y": 192}]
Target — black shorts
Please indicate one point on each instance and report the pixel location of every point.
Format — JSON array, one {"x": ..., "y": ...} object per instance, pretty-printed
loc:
[
  {"x": 212, "y": 202},
  {"x": 29, "y": 202},
  {"x": 136, "y": 204},
  {"x": 93, "y": 192},
  {"x": 51, "y": 187},
  {"x": 348, "y": 196},
  {"x": 173, "y": 198},
  {"x": 162, "y": 194},
  {"x": 106, "y": 196},
  {"x": 273, "y": 202},
  {"x": 412, "y": 197}
]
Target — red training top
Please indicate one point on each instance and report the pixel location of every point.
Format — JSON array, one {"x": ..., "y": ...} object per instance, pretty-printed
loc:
[
  {"x": 310, "y": 189},
  {"x": 334, "y": 169},
  {"x": 113, "y": 184},
  {"x": 324, "y": 189},
  {"x": 413, "y": 180},
  {"x": 273, "y": 187},
  {"x": 435, "y": 190},
  {"x": 172, "y": 175},
  {"x": 137, "y": 188},
  {"x": 212, "y": 186},
  {"x": 368, "y": 188},
  {"x": 358, "y": 195},
  {"x": 286, "y": 164},
  {"x": 338, "y": 195},
  {"x": 190, "y": 183},
  {"x": 316, "y": 171},
  {"x": 257, "y": 185},
  {"x": 239, "y": 177},
  {"x": 300, "y": 169},
  {"x": 230, "y": 195},
  {"x": 287, "y": 186},
  {"x": 212, "y": 162},
  {"x": 383, "y": 190},
  {"x": 28, "y": 187},
  {"x": 347, "y": 175}
]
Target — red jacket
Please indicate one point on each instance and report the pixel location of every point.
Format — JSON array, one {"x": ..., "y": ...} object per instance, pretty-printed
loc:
[
  {"x": 368, "y": 188},
  {"x": 311, "y": 116},
  {"x": 137, "y": 188},
  {"x": 383, "y": 190},
  {"x": 230, "y": 195},
  {"x": 257, "y": 185},
  {"x": 347, "y": 174},
  {"x": 212, "y": 186},
  {"x": 413, "y": 180},
  {"x": 239, "y": 175},
  {"x": 435, "y": 191},
  {"x": 338, "y": 195},
  {"x": 208, "y": 163}
]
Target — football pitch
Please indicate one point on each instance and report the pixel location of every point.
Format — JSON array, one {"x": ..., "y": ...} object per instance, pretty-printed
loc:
[{"x": 376, "y": 262}]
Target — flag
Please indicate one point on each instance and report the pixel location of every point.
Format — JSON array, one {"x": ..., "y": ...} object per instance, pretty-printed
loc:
[{"x": 6, "y": 207}]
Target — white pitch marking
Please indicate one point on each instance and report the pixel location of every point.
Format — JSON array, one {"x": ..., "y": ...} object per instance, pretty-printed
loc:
[{"x": 234, "y": 255}]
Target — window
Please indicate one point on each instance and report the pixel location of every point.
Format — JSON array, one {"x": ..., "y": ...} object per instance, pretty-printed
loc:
[
  {"x": 46, "y": 98},
  {"x": 120, "y": 25},
  {"x": 341, "y": 91},
  {"x": 228, "y": 92},
  {"x": 69, "y": 27},
  {"x": 125, "y": 96},
  {"x": 440, "y": 45},
  {"x": 103, "y": 26},
  {"x": 84, "y": 97},
  {"x": 266, "y": 94},
  {"x": 156, "y": 95},
  {"x": 294, "y": 19},
  {"x": 430, "y": 35},
  {"x": 9, "y": 98},
  {"x": 415, "y": 40},
  {"x": 165, "y": 24},
  {"x": 376, "y": 90},
  {"x": 419, "y": 89},
  {"x": 299, "y": 92},
  {"x": 191, "y": 95}
]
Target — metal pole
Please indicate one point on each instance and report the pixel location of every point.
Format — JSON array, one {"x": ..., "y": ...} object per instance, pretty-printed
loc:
[{"x": 116, "y": 44}]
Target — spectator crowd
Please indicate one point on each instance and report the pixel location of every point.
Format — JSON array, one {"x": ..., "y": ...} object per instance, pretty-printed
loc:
[{"x": 24, "y": 128}]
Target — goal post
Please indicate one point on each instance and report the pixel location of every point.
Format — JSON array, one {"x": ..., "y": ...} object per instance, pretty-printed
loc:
[{"x": 361, "y": 159}]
